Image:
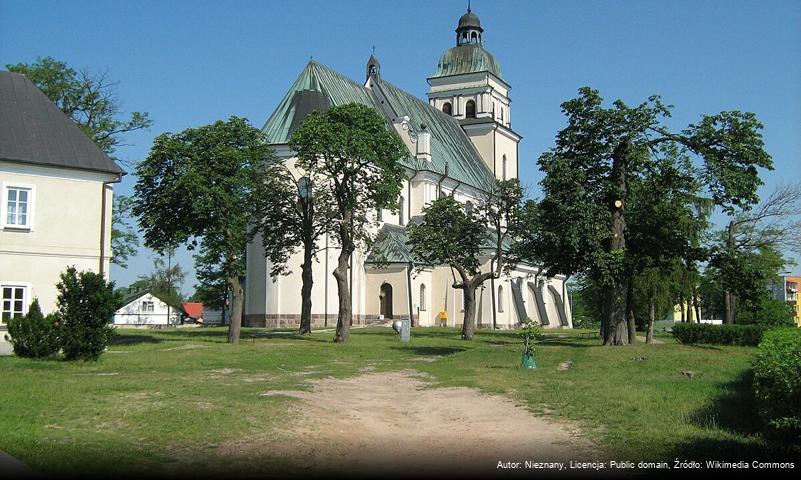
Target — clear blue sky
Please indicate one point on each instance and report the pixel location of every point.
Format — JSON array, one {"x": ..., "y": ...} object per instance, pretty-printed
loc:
[{"x": 189, "y": 63}]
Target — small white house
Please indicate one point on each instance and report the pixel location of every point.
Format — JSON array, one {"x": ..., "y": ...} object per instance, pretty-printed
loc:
[{"x": 147, "y": 309}]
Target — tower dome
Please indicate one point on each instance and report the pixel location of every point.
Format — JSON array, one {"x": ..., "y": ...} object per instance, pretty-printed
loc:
[{"x": 469, "y": 29}]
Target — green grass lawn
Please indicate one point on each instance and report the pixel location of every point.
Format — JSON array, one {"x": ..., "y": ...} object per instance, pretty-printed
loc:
[{"x": 163, "y": 401}]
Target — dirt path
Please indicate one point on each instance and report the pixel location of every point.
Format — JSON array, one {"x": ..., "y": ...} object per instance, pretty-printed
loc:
[{"x": 393, "y": 422}]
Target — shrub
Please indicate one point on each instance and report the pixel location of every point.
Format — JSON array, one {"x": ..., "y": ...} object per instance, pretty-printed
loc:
[
  {"x": 33, "y": 335},
  {"x": 769, "y": 312},
  {"x": 693, "y": 333},
  {"x": 86, "y": 305},
  {"x": 777, "y": 381}
]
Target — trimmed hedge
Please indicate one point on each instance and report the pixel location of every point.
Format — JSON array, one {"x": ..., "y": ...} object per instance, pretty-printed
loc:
[
  {"x": 707, "y": 333},
  {"x": 777, "y": 382}
]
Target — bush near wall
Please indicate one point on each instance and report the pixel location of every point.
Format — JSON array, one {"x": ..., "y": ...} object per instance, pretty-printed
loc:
[
  {"x": 707, "y": 333},
  {"x": 777, "y": 382},
  {"x": 34, "y": 335}
]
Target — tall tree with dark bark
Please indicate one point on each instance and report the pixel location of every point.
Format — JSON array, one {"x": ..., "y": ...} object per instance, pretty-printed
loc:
[
  {"x": 358, "y": 159},
  {"x": 199, "y": 185},
  {"x": 451, "y": 234},
  {"x": 583, "y": 215},
  {"x": 295, "y": 210}
]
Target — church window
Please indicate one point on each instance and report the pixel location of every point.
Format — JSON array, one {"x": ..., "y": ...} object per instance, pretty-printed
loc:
[
  {"x": 504, "y": 167},
  {"x": 468, "y": 207},
  {"x": 500, "y": 299},
  {"x": 422, "y": 296},
  {"x": 474, "y": 38},
  {"x": 401, "y": 219},
  {"x": 470, "y": 109},
  {"x": 446, "y": 108},
  {"x": 379, "y": 214}
]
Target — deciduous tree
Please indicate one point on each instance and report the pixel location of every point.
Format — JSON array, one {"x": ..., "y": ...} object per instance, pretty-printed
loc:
[
  {"x": 352, "y": 149},
  {"x": 588, "y": 174},
  {"x": 199, "y": 185},
  {"x": 450, "y": 234}
]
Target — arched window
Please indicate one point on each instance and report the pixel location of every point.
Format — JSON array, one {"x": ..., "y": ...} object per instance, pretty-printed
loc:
[
  {"x": 504, "y": 167},
  {"x": 446, "y": 108},
  {"x": 468, "y": 207},
  {"x": 422, "y": 296},
  {"x": 379, "y": 214},
  {"x": 470, "y": 109},
  {"x": 401, "y": 218},
  {"x": 500, "y": 299},
  {"x": 473, "y": 37}
]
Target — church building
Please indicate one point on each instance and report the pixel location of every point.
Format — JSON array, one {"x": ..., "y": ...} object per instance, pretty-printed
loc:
[{"x": 459, "y": 142}]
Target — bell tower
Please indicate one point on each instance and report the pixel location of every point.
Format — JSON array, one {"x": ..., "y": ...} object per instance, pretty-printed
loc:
[{"x": 469, "y": 86}]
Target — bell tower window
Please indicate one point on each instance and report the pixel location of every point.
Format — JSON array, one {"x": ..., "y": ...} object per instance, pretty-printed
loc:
[
  {"x": 446, "y": 108},
  {"x": 470, "y": 109}
]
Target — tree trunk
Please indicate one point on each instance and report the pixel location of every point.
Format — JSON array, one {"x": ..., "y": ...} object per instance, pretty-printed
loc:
[
  {"x": 696, "y": 305},
  {"x": 235, "y": 324},
  {"x": 649, "y": 337},
  {"x": 614, "y": 309},
  {"x": 728, "y": 296},
  {"x": 345, "y": 312},
  {"x": 681, "y": 308},
  {"x": 632, "y": 321},
  {"x": 690, "y": 312},
  {"x": 469, "y": 324},
  {"x": 306, "y": 291},
  {"x": 728, "y": 308}
]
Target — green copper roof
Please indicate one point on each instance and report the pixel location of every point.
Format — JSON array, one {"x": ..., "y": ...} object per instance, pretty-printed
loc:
[
  {"x": 468, "y": 58},
  {"x": 318, "y": 87},
  {"x": 391, "y": 246}
]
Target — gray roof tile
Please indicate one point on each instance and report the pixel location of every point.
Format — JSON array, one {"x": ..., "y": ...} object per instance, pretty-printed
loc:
[{"x": 34, "y": 130}]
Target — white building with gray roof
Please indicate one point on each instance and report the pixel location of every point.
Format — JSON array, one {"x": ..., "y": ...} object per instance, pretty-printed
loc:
[{"x": 55, "y": 198}]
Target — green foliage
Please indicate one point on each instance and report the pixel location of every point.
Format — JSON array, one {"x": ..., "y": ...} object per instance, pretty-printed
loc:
[
  {"x": 86, "y": 306},
  {"x": 34, "y": 335},
  {"x": 202, "y": 184},
  {"x": 768, "y": 312},
  {"x": 354, "y": 160},
  {"x": 212, "y": 291},
  {"x": 706, "y": 333},
  {"x": 530, "y": 333},
  {"x": 90, "y": 100},
  {"x": 294, "y": 212},
  {"x": 124, "y": 240},
  {"x": 448, "y": 235},
  {"x": 777, "y": 382}
]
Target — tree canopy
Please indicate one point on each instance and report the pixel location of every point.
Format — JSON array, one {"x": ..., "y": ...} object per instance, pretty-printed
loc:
[
  {"x": 590, "y": 186},
  {"x": 199, "y": 185},
  {"x": 350, "y": 152}
]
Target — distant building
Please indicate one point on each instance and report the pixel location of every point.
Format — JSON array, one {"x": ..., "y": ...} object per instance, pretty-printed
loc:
[
  {"x": 786, "y": 290},
  {"x": 145, "y": 308},
  {"x": 55, "y": 199}
]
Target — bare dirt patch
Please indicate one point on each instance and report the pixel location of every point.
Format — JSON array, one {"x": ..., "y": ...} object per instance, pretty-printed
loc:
[{"x": 394, "y": 422}]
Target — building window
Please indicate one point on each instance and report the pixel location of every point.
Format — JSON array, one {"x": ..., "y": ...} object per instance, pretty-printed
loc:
[
  {"x": 446, "y": 108},
  {"x": 500, "y": 299},
  {"x": 401, "y": 218},
  {"x": 470, "y": 109},
  {"x": 504, "y": 167},
  {"x": 148, "y": 306},
  {"x": 379, "y": 214},
  {"x": 13, "y": 302},
  {"x": 17, "y": 203},
  {"x": 468, "y": 207},
  {"x": 422, "y": 296}
]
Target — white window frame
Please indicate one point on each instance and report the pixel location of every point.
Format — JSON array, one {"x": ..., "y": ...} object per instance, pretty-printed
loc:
[
  {"x": 26, "y": 296},
  {"x": 151, "y": 303},
  {"x": 31, "y": 205}
]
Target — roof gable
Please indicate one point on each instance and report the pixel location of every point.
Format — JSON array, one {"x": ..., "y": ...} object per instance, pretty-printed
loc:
[
  {"x": 319, "y": 87},
  {"x": 34, "y": 130}
]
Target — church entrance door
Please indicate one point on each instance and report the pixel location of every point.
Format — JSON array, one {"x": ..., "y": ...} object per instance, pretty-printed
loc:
[{"x": 385, "y": 300}]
